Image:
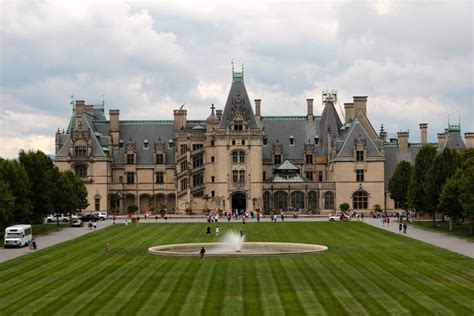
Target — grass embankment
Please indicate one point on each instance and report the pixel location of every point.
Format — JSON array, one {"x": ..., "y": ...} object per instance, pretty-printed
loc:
[
  {"x": 41, "y": 229},
  {"x": 365, "y": 271},
  {"x": 460, "y": 230}
]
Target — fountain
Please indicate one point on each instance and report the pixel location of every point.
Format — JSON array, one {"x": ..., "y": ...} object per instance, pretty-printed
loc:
[{"x": 233, "y": 245}]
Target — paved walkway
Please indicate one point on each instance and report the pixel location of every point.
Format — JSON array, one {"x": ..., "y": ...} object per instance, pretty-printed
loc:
[{"x": 442, "y": 240}]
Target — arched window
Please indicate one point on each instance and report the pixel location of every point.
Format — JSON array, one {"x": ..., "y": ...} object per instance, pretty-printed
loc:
[
  {"x": 280, "y": 201},
  {"x": 297, "y": 200},
  {"x": 266, "y": 201},
  {"x": 81, "y": 170},
  {"x": 233, "y": 142},
  {"x": 360, "y": 200},
  {"x": 329, "y": 200},
  {"x": 312, "y": 200},
  {"x": 243, "y": 141}
]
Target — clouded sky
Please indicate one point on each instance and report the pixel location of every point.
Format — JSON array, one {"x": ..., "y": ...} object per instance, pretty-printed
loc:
[{"x": 414, "y": 59}]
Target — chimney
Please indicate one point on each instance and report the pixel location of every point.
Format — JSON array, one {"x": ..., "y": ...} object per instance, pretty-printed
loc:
[
  {"x": 360, "y": 103},
  {"x": 469, "y": 139},
  {"x": 56, "y": 142},
  {"x": 257, "y": 110},
  {"x": 403, "y": 142},
  {"x": 114, "y": 126},
  {"x": 79, "y": 106},
  {"x": 310, "y": 116},
  {"x": 442, "y": 139},
  {"x": 423, "y": 133},
  {"x": 349, "y": 109},
  {"x": 179, "y": 119},
  {"x": 219, "y": 114}
]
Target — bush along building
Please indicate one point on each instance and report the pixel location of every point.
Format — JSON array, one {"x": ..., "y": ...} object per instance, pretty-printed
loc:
[{"x": 238, "y": 158}]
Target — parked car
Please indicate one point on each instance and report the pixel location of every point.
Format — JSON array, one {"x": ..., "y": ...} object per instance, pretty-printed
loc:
[
  {"x": 76, "y": 222},
  {"x": 339, "y": 217},
  {"x": 53, "y": 218},
  {"x": 101, "y": 215},
  {"x": 89, "y": 218}
]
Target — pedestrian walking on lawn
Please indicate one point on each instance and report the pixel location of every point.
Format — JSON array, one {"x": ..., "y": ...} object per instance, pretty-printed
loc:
[
  {"x": 405, "y": 228},
  {"x": 201, "y": 253},
  {"x": 107, "y": 248},
  {"x": 208, "y": 231},
  {"x": 218, "y": 231},
  {"x": 400, "y": 226}
]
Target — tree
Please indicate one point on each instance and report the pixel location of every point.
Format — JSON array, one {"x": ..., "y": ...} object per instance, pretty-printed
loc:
[
  {"x": 466, "y": 191},
  {"x": 449, "y": 199},
  {"x": 7, "y": 204},
  {"x": 39, "y": 168},
  {"x": 442, "y": 167},
  {"x": 398, "y": 184},
  {"x": 416, "y": 194},
  {"x": 206, "y": 199},
  {"x": 344, "y": 207},
  {"x": 13, "y": 174}
]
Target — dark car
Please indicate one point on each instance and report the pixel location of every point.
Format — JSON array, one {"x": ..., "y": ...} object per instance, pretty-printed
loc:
[{"x": 89, "y": 218}]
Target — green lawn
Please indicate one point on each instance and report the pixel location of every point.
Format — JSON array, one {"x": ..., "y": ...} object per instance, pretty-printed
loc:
[
  {"x": 460, "y": 230},
  {"x": 365, "y": 271}
]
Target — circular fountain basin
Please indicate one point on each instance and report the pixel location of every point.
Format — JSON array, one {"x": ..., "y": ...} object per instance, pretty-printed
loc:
[{"x": 226, "y": 250}]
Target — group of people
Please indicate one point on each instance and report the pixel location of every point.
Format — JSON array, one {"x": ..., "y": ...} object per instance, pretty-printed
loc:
[
  {"x": 32, "y": 244},
  {"x": 208, "y": 231},
  {"x": 92, "y": 225}
]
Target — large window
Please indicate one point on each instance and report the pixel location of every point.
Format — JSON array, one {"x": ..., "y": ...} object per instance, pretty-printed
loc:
[
  {"x": 359, "y": 155},
  {"x": 309, "y": 175},
  {"x": 130, "y": 177},
  {"x": 160, "y": 177},
  {"x": 312, "y": 200},
  {"x": 130, "y": 159},
  {"x": 198, "y": 161},
  {"x": 197, "y": 146},
  {"x": 238, "y": 176},
  {"x": 184, "y": 184},
  {"x": 160, "y": 159},
  {"x": 242, "y": 176},
  {"x": 238, "y": 125},
  {"x": 238, "y": 157},
  {"x": 329, "y": 200},
  {"x": 360, "y": 200},
  {"x": 297, "y": 200},
  {"x": 198, "y": 179},
  {"x": 360, "y": 175},
  {"x": 184, "y": 166},
  {"x": 277, "y": 159},
  {"x": 184, "y": 149},
  {"x": 97, "y": 204},
  {"x": 80, "y": 151},
  {"x": 266, "y": 201},
  {"x": 81, "y": 171},
  {"x": 309, "y": 159},
  {"x": 280, "y": 200}
]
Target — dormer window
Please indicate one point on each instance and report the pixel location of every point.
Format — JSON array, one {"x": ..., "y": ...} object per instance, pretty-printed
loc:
[
  {"x": 277, "y": 159},
  {"x": 145, "y": 144},
  {"x": 359, "y": 155},
  {"x": 292, "y": 140},
  {"x": 121, "y": 143},
  {"x": 316, "y": 140},
  {"x": 170, "y": 143},
  {"x": 130, "y": 159},
  {"x": 265, "y": 140},
  {"x": 80, "y": 151},
  {"x": 238, "y": 125}
]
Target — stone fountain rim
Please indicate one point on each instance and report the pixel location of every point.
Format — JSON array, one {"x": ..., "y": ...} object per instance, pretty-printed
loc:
[{"x": 289, "y": 249}]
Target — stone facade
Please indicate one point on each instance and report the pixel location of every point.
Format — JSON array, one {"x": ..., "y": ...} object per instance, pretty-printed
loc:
[{"x": 236, "y": 159}]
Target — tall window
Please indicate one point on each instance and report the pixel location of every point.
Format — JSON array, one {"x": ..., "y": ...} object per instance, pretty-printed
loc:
[
  {"x": 320, "y": 176},
  {"x": 213, "y": 179},
  {"x": 309, "y": 175},
  {"x": 238, "y": 125},
  {"x": 235, "y": 157},
  {"x": 184, "y": 166},
  {"x": 80, "y": 151},
  {"x": 160, "y": 159},
  {"x": 312, "y": 200},
  {"x": 309, "y": 159},
  {"x": 184, "y": 184},
  {"x": 297, "y": 200},
  {"x": 241, "y": 176},
  {"x": 198, "y": 161},
  {"x": 235, "y": 176},
  {"x": 81, "y": 171},
  {"x": 197, "y": 146},
  {"x": 198, "y": 179},
  {"x": 238, "y": 157},
  {"x": 266, "y": 200},
  {"x": 359, "y": 155},
  {"x": 184, "y": 149},
  {"x": 160, "y": 177},
  {"x": 329, "y": 200},
  {"x": 97, "y": 204},
  {"x": 265, "y": 140},
  {"x": 316, "y": 140},
  {"x": 360, "y": 200},
  {"x": 264, "y": 176},
  {"x": 292, "y": 141},
  {"x": 280, "y": 200},
  {"x": 130, "y": 159},
  {"x": 130, "y": 177},
  {"x": 360, "y": 175},
  {"x": 277, "y": 159}
]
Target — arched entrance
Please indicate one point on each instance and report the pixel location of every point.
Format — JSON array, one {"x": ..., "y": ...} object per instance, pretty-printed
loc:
[{"x": 239, "y": 201}]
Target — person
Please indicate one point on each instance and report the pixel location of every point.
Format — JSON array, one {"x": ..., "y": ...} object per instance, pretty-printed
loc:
[
  {"x": 146, "y": 215},
  {"x": 382, "y": 219},
  {"x": 95, "y": 225},
  {"x": 113, "y": 220},
  {"x": 258, "y": 218},
  {"x": 156, "y": 218},
  {"x": 362, "y": 216},
  {"x": 241, "y": 234},
  {"x": 217, "y": 231},
  {"x": 138, "y": 219},
  {"x": 208, "y": 231},
  {"x": 405, "y": 228},
  {"x": 201, "y": 253},
  {"x": 30, "y": 244},
  {"x": 217, "y": 217},
  {"x": 282, "y": 217},
  {"x": 89, "y": 225},
  {"x": 107, "y": 248},
  {"x": 34, "y": 244},
  {"x": 126, "y": 221},
  {"x": 400, "y": 228},
  {"x": 166, "y": 218},
  {"x": 388, "y": 220},
  {"x": 228, "y": 217},
  {"x": 243, "y": 220},
  {"x": 209, "y": 218}
]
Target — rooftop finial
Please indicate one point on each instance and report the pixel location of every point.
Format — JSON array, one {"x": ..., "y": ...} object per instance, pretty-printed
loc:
[
  {"x": 212, "y": 108},
  {"x": 232, "y": 63},
  {"x": 242, "y": 70}
]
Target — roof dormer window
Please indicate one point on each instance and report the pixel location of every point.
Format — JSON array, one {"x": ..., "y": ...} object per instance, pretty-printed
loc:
[
  {"x": 145, "y": 144},
  {"x": 316, "y": 140},
  {"x": 238, "y": 125},
  {"x": 292, "y": 140},
  {"x": 121, "y": 143}
]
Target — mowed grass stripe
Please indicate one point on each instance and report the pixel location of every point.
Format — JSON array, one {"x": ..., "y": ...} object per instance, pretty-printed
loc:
[
  {"x": 269, "y": 298},
  {"x": 250, "y": 288},
  {"x": 233, "y": 291},
  {"x": 196, "y": 296},
  {"x": 213, "y": 299}
]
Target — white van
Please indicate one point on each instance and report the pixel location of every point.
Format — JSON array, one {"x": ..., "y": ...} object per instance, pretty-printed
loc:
[{"x": 18, "y": 236}]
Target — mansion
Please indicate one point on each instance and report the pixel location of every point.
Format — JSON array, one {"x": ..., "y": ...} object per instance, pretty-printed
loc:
[{"x": 238, "y": 158}]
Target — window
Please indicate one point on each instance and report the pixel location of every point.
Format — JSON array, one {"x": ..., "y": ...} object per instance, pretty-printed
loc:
[
  {"x": 198, "y": 194},
  {"x": 266, "y": 201},
  {"x": 360, "y": 175},
  {"x": 360, "y": 200},
  {"x": 213, "y": 179},
  {"x": 160, "y": 177},
  {"x": 130, "y": 177},
  {"x": 198, "y": 161},
  {"x": 81, "y": 171},
  {"x": 233, "y": 142},
  {"x": 145, "y": 144},
  {"x": 198, "y": 179},
  {"x": 242, "y": 176},
  {"x": 243, "y": 142},
  {"x": 359, "y": 155},
  {"x": 235, "y": 176},
  {"x": 184, "y": 166},
  {"x": 241, "y": 157},
  {"x": 213, "y": 193},
  {"x": 329, "y": 200},
  {"x": 265, "y": 141},
  {"x": 80, "y": 151},
  {"x": 238, "y": 157},
  {"x": 184, "y": 184},
  {"x": 292, "y": 141},
  {"x": 238, "y": 125},
  {"x": 170, "y": 143},
  {"x": 312, "y": 200},
  {"x": 309, "y": 159},
  {"x": 264, "y": 176},
  {"x": 309, "y": 175},
  {"x": 280, "y": 200},
  {"x": 160, "y": 159},
  {"x": 120, "y": 179},
  {"x": 235, "y": 157},
  {"x": 212, "y": 159},
  {"x": 121, "y": 143},
  {"x": 277, "y": 159},
  {"x": 316, "y": 140},
  {"x": 97, "y": 204},
  {"x": 297, "y": 200},
  {"x": 320, "y": 176},
  {"x": 212, "y": 143},
  {"x": 184, "y": 149},
  {"x": 130, "y": 159},
  {"x": 197, "y": 146}
]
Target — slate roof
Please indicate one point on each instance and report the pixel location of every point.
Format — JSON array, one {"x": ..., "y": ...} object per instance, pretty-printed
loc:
[
  {"x": 356, "y": 131},
  {"x": 287, "y": 166},
  {"x": 454, "y": 141},
  {"x": 393, "y": 158},
  {"x": 329, "y": 120}
]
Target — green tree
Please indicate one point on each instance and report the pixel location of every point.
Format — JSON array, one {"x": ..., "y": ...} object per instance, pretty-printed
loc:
[
  {"x": 442, "y": 167},
  {"x": 416, "y": 194},
  {"x": 449, "y": 199},
  {"x": 7, "y": 204},
  {"x": 71, "y": 193},
  {"x": 398, "y": 184},
  {"x": 12, "y": 173},
  {"x": 39, "y": 168},
  {"x": 466, "y": 191},
  {"x": 344, "y": 207}
]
